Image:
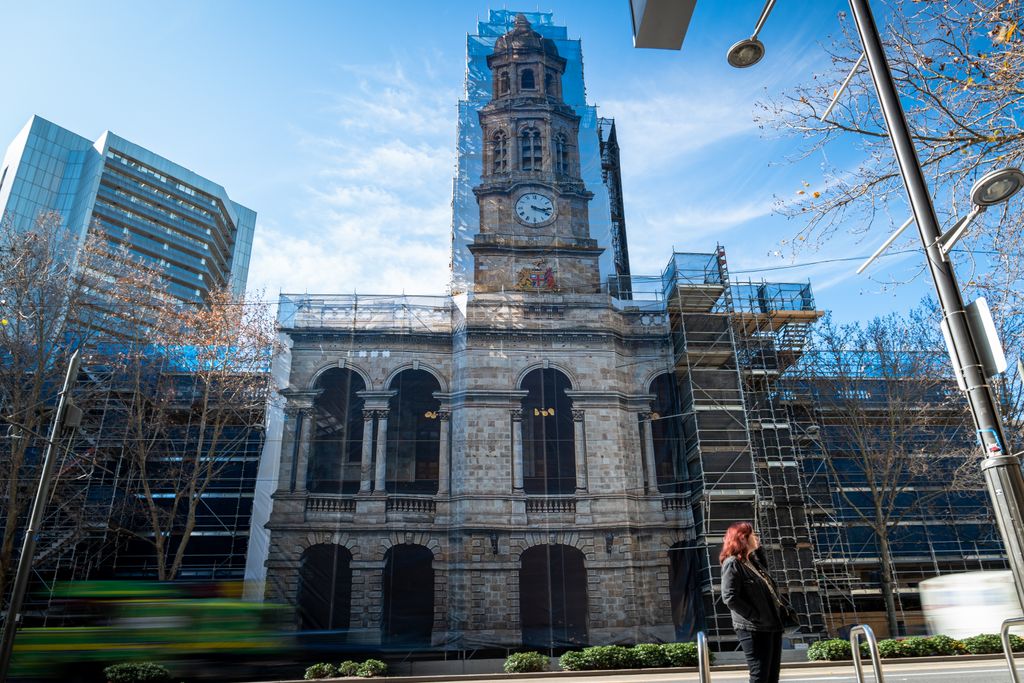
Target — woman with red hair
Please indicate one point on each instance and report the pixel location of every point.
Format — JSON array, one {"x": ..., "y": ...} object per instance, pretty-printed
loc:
[{"x": 750, "y": 593}]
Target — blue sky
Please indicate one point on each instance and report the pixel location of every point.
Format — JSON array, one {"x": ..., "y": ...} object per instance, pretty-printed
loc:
[{"x": 336, "y": 122}]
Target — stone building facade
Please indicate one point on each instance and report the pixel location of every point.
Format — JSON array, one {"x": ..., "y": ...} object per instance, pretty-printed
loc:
[{"x": 480, "y": 470}]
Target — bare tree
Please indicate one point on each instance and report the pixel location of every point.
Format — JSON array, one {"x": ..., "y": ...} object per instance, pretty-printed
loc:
[
  {"x": 893, "y": 433},
  {"x": 959, "y": 66},
  {"x": 193, "y": 387},
  {"x": 54, "y": 289}
]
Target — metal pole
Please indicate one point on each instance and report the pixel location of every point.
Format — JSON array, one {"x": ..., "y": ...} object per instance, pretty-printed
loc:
[
  {"x": 14, "y": 615},
  {"x": 1002, "y": 471},
  {"x": 1004, "y": 636}
]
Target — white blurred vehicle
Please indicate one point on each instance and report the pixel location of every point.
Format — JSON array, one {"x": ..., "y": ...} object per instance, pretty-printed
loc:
[{"x": 968, "y": 604}]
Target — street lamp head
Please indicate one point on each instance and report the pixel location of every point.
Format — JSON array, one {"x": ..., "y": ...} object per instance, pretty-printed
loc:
[
  {"x": 745, "y": 53},
  {"x": 996, "y": 187}
]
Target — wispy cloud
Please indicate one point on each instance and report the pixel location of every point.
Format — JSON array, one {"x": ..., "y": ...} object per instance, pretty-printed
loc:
[{"x": 375, "y": 209}]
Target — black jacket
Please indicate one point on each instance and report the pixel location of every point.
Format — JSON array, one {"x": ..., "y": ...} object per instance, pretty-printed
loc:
[{"x": 752, "y": 604}]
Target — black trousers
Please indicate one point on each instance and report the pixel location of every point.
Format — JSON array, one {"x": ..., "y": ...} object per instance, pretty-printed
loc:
[{"x": 763, "y": 650}]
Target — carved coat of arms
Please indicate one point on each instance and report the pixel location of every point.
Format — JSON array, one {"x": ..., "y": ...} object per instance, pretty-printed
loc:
[{"x": 540, "y": 278}]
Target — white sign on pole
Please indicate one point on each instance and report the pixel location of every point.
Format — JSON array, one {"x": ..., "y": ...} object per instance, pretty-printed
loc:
[{"x": 986, "y": 340}]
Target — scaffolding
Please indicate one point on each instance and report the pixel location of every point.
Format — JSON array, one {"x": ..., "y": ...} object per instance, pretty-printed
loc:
[
  {"x": 956, "y": 533},
  {"x": 87, "y": 530},
  {"x": 730, "y": 343}
]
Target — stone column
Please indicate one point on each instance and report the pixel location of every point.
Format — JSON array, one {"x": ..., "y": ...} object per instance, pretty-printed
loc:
[
  {"x": 305, "y": 437},
  {"x": 382, "y": 449},
  {"x": 517, "y": 449},
  {"x": 580, "y": 444},
  {"x": 298, "y": 411},
  {"x": 652, "y": 470},
  {"x": 443, "y": 456},
  {"x": 366, "y": 462},
  {"x": 290, "y": 438}
]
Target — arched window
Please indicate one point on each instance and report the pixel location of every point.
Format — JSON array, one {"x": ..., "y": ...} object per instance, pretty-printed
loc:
[
  {"x": 549, "y": 83},
  {"x": 499, "y": 152},
  {"x": 414, "y": 433},
  {"x": 408, "y": 617},
  {"x": 531, "y": 152},
  {"x": 325, "y": 588},
  {"x": 526, "y": 80},
  {"x": 667, "y": 430},
  {"x": 549, "y": 456},
  {"x": 553, "y": 597},
  {"x": 337, "y": 438},
  {"x": 503, "y": 83},
  {"x": 561, "y": 154}
]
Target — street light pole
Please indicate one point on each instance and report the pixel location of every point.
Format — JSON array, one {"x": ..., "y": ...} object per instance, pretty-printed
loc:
[
  {"x": 1002, "y": 470},
  {"x": 11, "y": 623}
]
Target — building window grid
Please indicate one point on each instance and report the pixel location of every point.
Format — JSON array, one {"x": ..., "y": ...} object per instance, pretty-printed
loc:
[{"x": 223, "y": 226}]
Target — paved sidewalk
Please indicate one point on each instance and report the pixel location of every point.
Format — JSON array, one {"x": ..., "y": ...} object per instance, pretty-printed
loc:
[{"x": 964, "y": 669}]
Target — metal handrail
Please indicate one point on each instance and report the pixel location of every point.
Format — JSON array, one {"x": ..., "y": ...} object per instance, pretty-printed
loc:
[
  {"x": 703, "y": 658},
  {"x": 876, "y": 660},
  {"x": 1004, "y": 635}
]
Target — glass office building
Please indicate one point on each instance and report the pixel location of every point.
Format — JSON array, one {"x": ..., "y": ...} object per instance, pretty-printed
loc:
[{"x": 164, "y": 213}]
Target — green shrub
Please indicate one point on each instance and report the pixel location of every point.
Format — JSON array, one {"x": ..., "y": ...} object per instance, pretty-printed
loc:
[
  {"x": 946, "y": 646},
  {"x": 832, "y": 650},
  {"x": 136, "y": 672},
  {"x": 348, "y": 668},
  {"x": 683, "y": 654},
  {"x": 321, "y": 670},
  {"x": 917, "y": 647},
  {"x": 608, "y": 657},
  {"x": 984, "y": 644},
  {"x": 526, "y": 662},
  {"x": 648, "y": 656},
  {"x": 890, "y": 648},
  {"x": 371, "y": 668},
  {"x": 990, "y": 644},
  {"x": 573, "y": 660}
]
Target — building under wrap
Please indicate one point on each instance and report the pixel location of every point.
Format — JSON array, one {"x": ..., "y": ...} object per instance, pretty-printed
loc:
[{"x": 547, "y": 456}]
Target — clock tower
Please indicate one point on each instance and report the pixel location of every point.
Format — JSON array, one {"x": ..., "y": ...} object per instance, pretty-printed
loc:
[{"x": 534, "y": 224}]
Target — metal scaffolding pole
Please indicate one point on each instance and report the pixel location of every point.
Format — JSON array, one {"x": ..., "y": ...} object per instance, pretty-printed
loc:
[{"x": 1002, "y": 470}]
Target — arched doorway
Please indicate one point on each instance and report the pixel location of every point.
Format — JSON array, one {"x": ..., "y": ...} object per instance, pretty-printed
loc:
[
  {"x": 553, "y": 597},
  {"x": 325, "y": 588},
  {"x": 336, "y": 448},
  {"x": 684, "y": 591},
  {"x": 667, "y": 431},
  {"x": 414, "y": 433},
  {"x": 549, "y": 456},
  {"x": 408, "y": 617}
]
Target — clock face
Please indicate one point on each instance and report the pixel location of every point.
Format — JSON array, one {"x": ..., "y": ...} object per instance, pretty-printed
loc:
[{"x": 534, "y": 208}]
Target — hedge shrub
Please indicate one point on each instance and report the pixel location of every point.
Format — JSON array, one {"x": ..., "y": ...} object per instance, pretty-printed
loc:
[
  {"x": 648, "y": 656},
  {"x": 347, "y": 668},
  {"x": 833, "y": 650},
  {"x": 526, "y": 662},
  {"x": 608, "y": 657},
  {"x": 371, "y": 668},
  {"x": 683, "y": 654},
  {"x": 137, "y": 672},
  {"x": 318, "y": 671},
  {"x": 573, "y": 660},
  {"x": 990, "y": 644}
]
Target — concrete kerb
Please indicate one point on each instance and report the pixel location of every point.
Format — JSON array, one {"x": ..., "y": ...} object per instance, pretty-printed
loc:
[{"x": 454, "y": 678}]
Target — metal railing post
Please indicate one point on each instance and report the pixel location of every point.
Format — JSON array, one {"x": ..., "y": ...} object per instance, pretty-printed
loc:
[
  {"x": 1004, "y": 635},
  {"x": 703, "y": 658},
  {"x": 876, "y": 660}
]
